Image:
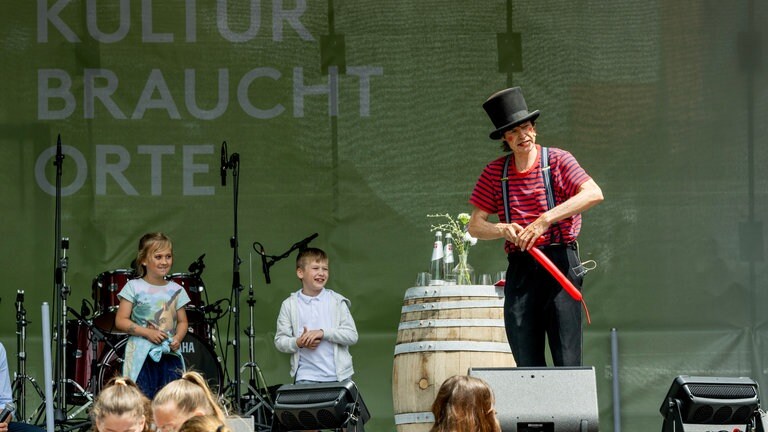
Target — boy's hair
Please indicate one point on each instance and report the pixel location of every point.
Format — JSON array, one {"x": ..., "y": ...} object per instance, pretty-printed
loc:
[
  {"x": 190, "y": 393},
  {"x": 310, "y": 255},
  {"x": 121, "y": 396},
  {"x": 148, "y": 244},
  {"x": 464, "y": 404}
]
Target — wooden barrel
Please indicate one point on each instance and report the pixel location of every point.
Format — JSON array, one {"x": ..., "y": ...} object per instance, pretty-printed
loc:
[{"x": 444, "y": 331}]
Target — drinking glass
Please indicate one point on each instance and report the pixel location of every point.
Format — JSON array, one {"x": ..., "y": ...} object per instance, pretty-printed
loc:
[{"x": 423, "y": 279}]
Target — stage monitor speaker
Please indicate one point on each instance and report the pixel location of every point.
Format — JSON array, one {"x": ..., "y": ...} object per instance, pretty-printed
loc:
[
  {"x": 559, "y": 399},
  {"x": 710, "y": 400},
  {"x": 332, "y": 405}
]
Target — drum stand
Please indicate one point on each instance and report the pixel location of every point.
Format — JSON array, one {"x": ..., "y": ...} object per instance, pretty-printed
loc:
[
  {"x": 19, "y": 386},
  {"x": 61, "y": 414},
  {"x": 97, "y": 336}
]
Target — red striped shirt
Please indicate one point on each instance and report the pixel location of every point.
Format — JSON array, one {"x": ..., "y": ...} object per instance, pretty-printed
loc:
[{"x": 527, "y": 194}]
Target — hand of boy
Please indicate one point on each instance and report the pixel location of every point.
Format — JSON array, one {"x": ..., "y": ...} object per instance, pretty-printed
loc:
[{"x": 310, "y": 338}]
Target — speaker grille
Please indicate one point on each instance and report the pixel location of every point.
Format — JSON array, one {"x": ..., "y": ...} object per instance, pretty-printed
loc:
[
  {"x": 290, "y": 421},
  {"x": 306, "y": 418},
  {"x": 719, "y": 391},
  {"x": 702, "y": 413},
  {"x": 309, "y": 397},
  {"x": 722, "y": 415},
  {"x": 327, "y": 419}
]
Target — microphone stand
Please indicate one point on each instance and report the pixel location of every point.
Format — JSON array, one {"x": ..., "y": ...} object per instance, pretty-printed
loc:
[
  {"x": 255, "y": 402},
  {"x": 262, "y": 405},
  {"x": 60, "y": 293},
  {"x": 19, "y": 388},
  {"x": 232, "y": 162}
]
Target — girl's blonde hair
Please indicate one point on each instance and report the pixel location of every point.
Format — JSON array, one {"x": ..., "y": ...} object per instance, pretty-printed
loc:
[
  {"x": 464, "y": 404},
  {"x": 121, "y": 396},
  {"x": 190, "y": 393},
  {"x": 206, "y": 423}
]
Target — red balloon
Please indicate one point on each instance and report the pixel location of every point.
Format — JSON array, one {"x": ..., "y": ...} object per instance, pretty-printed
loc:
[
  {"x": 560, "y": 277},
  {"x": 556, "y": 273}
]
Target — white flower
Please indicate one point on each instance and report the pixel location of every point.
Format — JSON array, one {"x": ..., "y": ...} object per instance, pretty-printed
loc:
[{"x": 468, "y": 238}]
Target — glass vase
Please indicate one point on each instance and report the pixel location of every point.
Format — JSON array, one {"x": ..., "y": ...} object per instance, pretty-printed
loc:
[{"x": 463, "y": 272}]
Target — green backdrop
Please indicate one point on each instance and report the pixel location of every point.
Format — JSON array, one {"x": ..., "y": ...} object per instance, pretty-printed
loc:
[{"x": 356, "y": 119}]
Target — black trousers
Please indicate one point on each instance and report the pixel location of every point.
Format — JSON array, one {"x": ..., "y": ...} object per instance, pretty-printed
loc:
[{"x": 536, "y": 306}]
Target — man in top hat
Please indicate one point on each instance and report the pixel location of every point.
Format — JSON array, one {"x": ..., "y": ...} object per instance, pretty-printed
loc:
[{"x": 535, "y": 304}]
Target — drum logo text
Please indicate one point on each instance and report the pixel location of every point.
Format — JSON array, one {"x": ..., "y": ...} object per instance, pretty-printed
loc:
[{"x": 187, "y": 347}]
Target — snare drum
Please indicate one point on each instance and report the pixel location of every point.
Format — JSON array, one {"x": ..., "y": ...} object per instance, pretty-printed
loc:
[{"x": 198, "y": 356}]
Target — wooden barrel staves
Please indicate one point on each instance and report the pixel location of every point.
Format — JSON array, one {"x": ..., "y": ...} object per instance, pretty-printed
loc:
[{"x": 444, "y": 330}]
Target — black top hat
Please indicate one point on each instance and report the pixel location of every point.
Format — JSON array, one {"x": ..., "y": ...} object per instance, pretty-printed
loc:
[{"x": 507, "y": 109}]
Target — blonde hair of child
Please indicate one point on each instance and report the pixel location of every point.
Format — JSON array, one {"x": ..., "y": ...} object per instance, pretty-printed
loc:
[
  {"x": 189, "y": 394},
  {"x": 309, "y": 255},
  {"x": 206, "y": 423},
  {"x": 121, "y": 396}
]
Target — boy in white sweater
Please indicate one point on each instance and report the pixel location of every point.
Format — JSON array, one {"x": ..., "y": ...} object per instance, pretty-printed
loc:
[{"x": 315, "y": 325}]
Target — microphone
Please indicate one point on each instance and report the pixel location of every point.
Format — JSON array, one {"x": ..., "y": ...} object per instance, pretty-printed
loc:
[
  {"x": 264, "y": 265},
  {"x": 213, "y": 307},
  {"x": 84, "y": 310},
  {"x": 304, "y": 243},
  {"x": 9, "y": 409},
  {"x": 197, "y": 266},
  {"x": 59, "y": 152},
  {"x": 224, "y": 163}
]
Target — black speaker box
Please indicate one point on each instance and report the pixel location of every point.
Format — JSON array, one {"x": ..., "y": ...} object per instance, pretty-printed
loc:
[
  {"x": 560, "y": 399},
  {"x": 712, "y": 400},
  {"x": 320, "y": 406}
]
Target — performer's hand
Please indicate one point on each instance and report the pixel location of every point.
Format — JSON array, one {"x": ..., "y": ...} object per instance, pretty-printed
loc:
[
  {"x": 527, "y": 238},
  {"x": 4, "y": 425},
  {"x": 509, "y": 231}
]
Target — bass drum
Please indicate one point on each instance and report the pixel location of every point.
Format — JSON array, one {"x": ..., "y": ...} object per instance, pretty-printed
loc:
[
  {"x": 83, "y": 347},
  {"x": 198, "y": 356}
]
